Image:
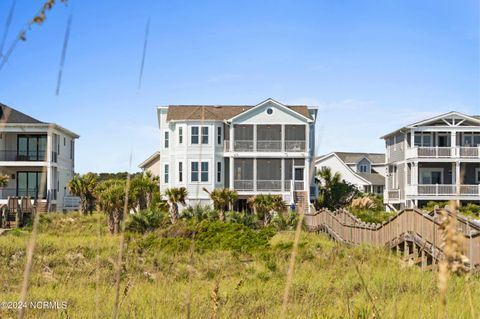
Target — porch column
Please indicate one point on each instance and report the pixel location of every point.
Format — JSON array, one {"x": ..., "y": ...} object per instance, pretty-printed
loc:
[
  {"x": 306, "y": 174},
  {"x": 458, "y": 176},
  {"x": 453, "y": 143},
  {"x": 412, "y": 138},
  {"x": 307, "y": 138},
  {"x": 282, "y": 137},
  {"x": 254, "y": 137},
  {"x": 231, "y": 170},
  {"x": 231, "y": 138},
  {"x": 254, "y": 174},
  {"x": 282, "y": 161}
]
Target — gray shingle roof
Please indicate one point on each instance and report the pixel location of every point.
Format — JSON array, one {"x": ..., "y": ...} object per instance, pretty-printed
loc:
[
  {"x": 351, "y": 157},
  {"x": 9, "y": 115},
  {"x": 218, "y": 112},
  {"x": 374, "y": 178}
]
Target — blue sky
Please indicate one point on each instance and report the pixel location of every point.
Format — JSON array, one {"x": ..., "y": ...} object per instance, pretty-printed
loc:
[{"x": 370, "y": 66}]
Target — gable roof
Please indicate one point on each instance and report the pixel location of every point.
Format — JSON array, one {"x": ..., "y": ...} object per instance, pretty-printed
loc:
[
  {"x": 474, "y": 118},
  {"x": 353, "y": 158},
  {"x": 10, "y": 115},
  {"x": 374, "y": 178},
  {"x": 152, "y": 158},
  {"x": 220, "y": 112}
]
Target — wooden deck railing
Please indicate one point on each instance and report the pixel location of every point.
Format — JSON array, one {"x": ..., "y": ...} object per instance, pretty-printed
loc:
[{"x": 412, "y": 223}]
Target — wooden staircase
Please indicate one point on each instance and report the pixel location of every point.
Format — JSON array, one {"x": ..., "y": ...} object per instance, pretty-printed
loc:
[{"x": 413, "y": 233}]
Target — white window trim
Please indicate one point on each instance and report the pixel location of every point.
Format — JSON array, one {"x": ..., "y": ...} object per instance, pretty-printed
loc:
[
  {"x": 180, "y": 163},
  {"x": 220, "y": 135},
  {"x": 217, "y": 171},
  {"x": 199, "y": 161},
  {"x": 360, "y": 168},
  {"x": 180, "y": 135},
  {"x": 166, "y": 172},
  {"x": 165, "y": 133},
  {"x": 190, "y": 135},
  {"x": 201, "y": 135}
]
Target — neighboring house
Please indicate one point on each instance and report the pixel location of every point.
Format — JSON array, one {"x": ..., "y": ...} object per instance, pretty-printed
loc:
[
  {"x": 38, "y": 157},
  {"x": 364, "y": 170},
  {"x": 151, "y": 164},
  {"x": 253, "y": 149},
  {"x": 437, "y": 159}
]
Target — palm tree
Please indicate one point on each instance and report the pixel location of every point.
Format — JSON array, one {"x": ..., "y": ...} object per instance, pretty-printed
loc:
[
  {"x": 265, "y": 205},
  {"x": 222, "y": 198},
  {"x": 333, "y": 191},
  {"x": 84, "y": 186},
  {"x": 175, "y": 196},
  {"x": 4, "y": 180},
  {"x": 143, "y": 188},
  {"x": 111, "y": 200}
]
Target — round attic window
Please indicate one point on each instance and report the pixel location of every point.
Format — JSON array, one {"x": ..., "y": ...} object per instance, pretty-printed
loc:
[{"x": 269, "y": 111}]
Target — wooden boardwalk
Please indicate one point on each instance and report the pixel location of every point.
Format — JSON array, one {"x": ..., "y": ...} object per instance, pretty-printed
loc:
[{"x": 414, "y": 233}]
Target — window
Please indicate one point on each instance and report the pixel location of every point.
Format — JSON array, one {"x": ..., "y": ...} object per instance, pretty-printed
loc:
[
  {"x": 32, "y": 184},
  {"x": 194, "y": 172},
  {"x": 180, "y": 171},
  {"x": 219, "y": 135},
  {"x": 477, "y": 175},
  {"x": 194, "y": 135},
  {"x": 72, "y": 145},
  {"x": 204, "y": 134},
  {"x": 219, "y": 172},
  {"x": 31, "y": 147},
  {"x": 199, "y": 169},
  {"x": 204, "y": 171},
  {"x": 269, "y": 111},
  {"x": 64, "y": 141},
  {"x": 471, "y": 139},
  {"x": 422, "y": 139},
  {"x": 363, "y": 168},
  {"x": 167, "y": 139},
  {"x": 166, "y": 173},
  {"x": 180, "y": 135}
]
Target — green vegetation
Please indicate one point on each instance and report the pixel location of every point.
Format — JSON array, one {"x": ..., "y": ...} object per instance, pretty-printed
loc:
[
  {"x": 240, "y": 269},
  {"x": 369, "y": 208},
  {"x": 334, "y": 193},
  {"x": 469, "y": 210}
]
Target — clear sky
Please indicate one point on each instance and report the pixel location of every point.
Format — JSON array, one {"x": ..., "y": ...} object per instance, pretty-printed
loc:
[{"x": 370, "y": 66}]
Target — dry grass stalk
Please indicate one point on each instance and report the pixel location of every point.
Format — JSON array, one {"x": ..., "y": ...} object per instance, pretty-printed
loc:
[
  {"x": 188, "y": 299},
  {"x": 454, "y": 260},
  {"x": 291, "y": 267},
  {"x": 30, "y": 251},
  {"x": 370, "y": 298},
  {"x": 215, "y": 299},
  {"x": 121, "y": 251}
]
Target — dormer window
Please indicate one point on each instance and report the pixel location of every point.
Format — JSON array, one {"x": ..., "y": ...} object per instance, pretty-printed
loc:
[{"x": 363, "y": 168}]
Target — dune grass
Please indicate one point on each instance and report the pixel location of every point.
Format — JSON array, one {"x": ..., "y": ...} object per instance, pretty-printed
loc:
[{"x": 233, "y": 283}]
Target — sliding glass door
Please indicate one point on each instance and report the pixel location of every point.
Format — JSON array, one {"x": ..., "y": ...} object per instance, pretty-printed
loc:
[
  {"x": 31, "y": 147},
  {"x": 32, "y": 184}
]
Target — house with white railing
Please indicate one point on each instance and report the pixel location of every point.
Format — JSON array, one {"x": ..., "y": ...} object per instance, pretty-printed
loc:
[
  {"x": 38, "y": 158},
  {"x": 437, "y": 159},
  {"x": 253, "y": 149},
  {"x": 364, "y": 170}
]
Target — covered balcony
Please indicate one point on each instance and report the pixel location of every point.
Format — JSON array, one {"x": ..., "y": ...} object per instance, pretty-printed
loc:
[
  {"x": 266, "y": 138},
  {"x": 20, "y": 147},
  {"x": 269, "y": 175},
  {"x": 447, "y": 180},
  {"x": 443, "y": 145}
]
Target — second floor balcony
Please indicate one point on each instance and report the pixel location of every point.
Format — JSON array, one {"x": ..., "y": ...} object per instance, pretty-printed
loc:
[
  {"x": 20, "y": 156},
  {"x": 266, "y": 138},
  {"x": 443, "y": 152}
]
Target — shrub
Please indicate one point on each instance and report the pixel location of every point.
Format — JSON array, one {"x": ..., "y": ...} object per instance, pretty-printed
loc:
[
  {"x": 370, "y": 216},
  {"x": 147, "y": 220}
]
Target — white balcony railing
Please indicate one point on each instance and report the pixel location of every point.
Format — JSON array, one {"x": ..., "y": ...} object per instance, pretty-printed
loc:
[
  {"x": 265, "y": 146},
  {"x": 269, "y": 185},
  {"x": 443, "y": 190},
  {"x": 269, "y": 146},
  {"x": 443, "y": 152},
  {"x": 243, "y": 185},
  {"x": 392, "y": 194}
]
